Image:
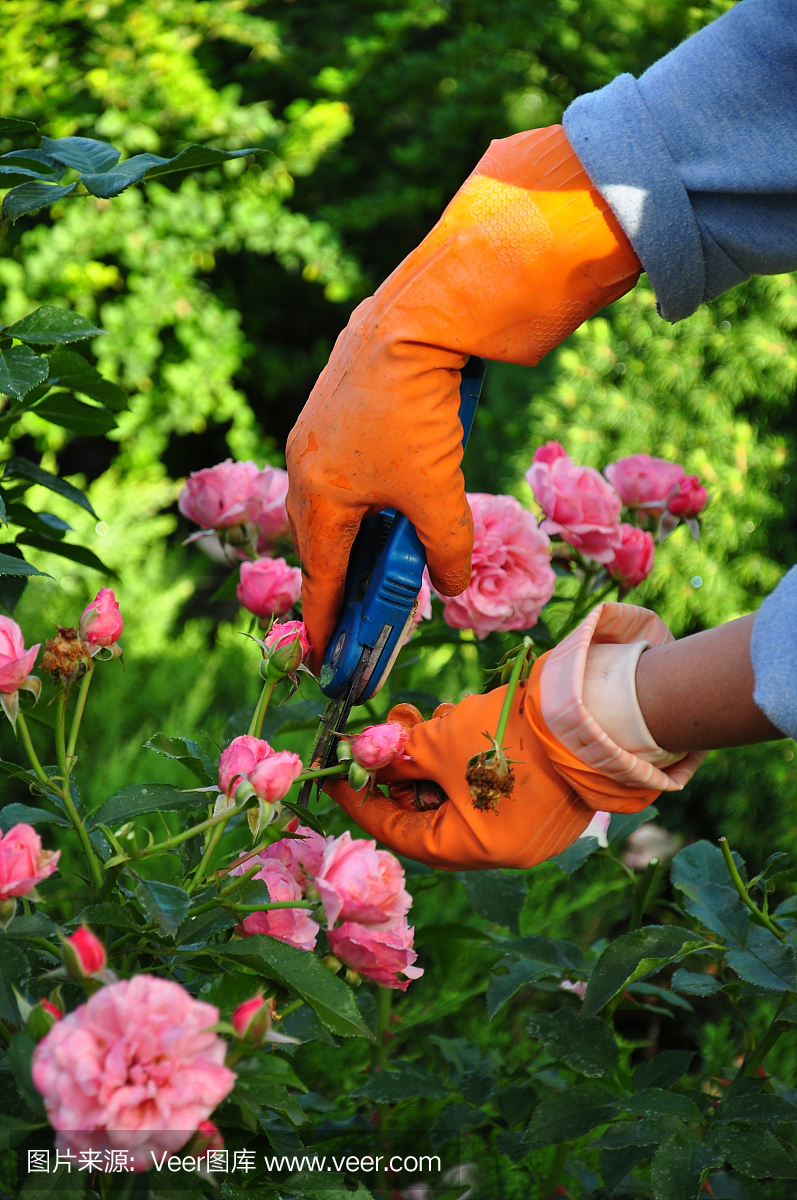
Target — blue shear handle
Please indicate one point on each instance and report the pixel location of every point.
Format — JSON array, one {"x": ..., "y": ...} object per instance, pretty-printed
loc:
[{"x": 385, "y": 573}]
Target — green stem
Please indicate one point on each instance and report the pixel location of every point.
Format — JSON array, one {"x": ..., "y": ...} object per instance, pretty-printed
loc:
[
  {"x": 514, "y": 676},
  {"x": 758, "y": 1053},
  {"x": 178, "y": 838},
  {"x": 43, "y": 944},
  {"x": 210, "y": 849},
  {"x": 641, "y": 892},
  {"x": 22, "y": 725},
  {"x": 250, "y": 908},
  {"x": 555, "y": 1173},
  {"x": 79, "y": 708},
  {"x": 238, "y": 882},
  {"x": 60, "y": 739},
  {"x": 95, "y": 866},
  {"x": 256, "y": 725},
  {"x": 338, "y": 769},
  {"x": 291, "y": 1008},
  {"x": 738, "y": 883}
]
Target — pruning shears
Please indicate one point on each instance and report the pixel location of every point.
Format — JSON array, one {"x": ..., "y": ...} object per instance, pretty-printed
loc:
[{"x": 380, "y": 599}]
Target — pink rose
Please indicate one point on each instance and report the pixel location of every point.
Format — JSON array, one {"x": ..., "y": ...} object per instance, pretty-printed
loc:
[
  {"x": 578, "y": 987},
  {"x": 23, "y": 863},
  {"x": 252, "y": 1020},
  {"x": 83, "y": 954},
  {"x": 689, "y": 498},
  {"x": 512, "y": 575},
  {"x": 15, "y": 661},
  {"x": 101, "y": 622},
  {"x": 633, "y": 558},
  {"x": 287, "y": 645},
  {"x": 268, "y": 586},
  {"x": 549, "y": 452},
  {"x": 274, "y": 776},
  {"x": 136, "y": 1068},
  {"x": 357, "y": 882},
  {"x": 378, "y": 745},
  {"x": 599, "y": 828},
  {"x": 239, "y": 758},
  {"x": 578, "y": 504},
  {"x": 301, "y": 855},
  {"x": 641, "y": 479},
  {"x": 220, "y": 496},
  {"x": 269, "y": 511},
  {"x": 294, "y": 926},
  {"x": 380, "y": 955}
]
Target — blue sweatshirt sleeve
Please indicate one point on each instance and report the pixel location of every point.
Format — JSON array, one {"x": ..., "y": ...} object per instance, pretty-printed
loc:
[{"x": 698, "y": 157}]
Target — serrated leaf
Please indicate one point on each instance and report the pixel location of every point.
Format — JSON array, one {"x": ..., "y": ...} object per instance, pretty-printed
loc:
[
  {"x": 11, "y": 586},
  {"x": 198, "y": 929},
  {"x": 78, "y": 554},
  {"x": 765, "y": 961},
  {"x": 51, "y": 325},
  {"x": 694, "y": 984},
  {"x": 557, "y": 951},
  {"x": 647, "y": 1132},
  {"x": 30, "y": 925},
  {"x": 571, "y": 1114},
  {"x": 194, "y": 158},
  {"x": 657, "y": 1102},
  {"x": 517, "y": 974},
  {"x": 84, "y": 154},
  {"x": 304, "y": 974},
  {"x": 164, "y": 903},
  {"x": 312, "y": 1186},
  {"x": 19, "y": 814},
  {"x": 141, "y": 798},
  {"x": 10, "y": 565},
  {"x": 663, "y": 1070},
  {"x": 88, "y": 420},
  {"x": 750, "y": 1101},
  {"x": 229, "y": 989},
  {"x": 22, "y": 468},
  {"x": 404, "y": 1081},
  {"x": 452, "y": 1120},
  {"x": 185, "y": 751},
  {"x": 586, "y": 1044},
  {"x": 34, "y": 163},
  {"x": 622, "y": 825},
  {"x": 14, "y": 972},
  {"x": 677, "y": 1168},
  {"x": 616, "y": 1164},
  {"x": 112, "y": 182},
  {"x": 719, "y": 907},
  {"x": 495, "y": 895},
  {"x": 68, "y": 369},
  {"x": 634, "y": 955},
  {"x": 576, "y": 854},
  {"x": 29, "y": 198},
  {"x": 703, "y": 863},
  {"x": 119, "y": 916},
  {"x": 17, "y": 127},
  {"x": 20, "y": 1053},
  {"x": 755, "y": 1152},
  {"x": 266, "y": 1094},
  {"x": 21, "y": 370}
]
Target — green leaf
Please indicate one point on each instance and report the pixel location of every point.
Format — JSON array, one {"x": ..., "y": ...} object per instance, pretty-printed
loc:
[
  {"x": 586, "y": 1044},
  {"x": 112, "y": 182},
  {"x": 404, "y": 1081},
  {"x": 30, "y": 925},
  {"x": 194, "y": 158},
  {"x": 557, "y": 951},
  {"x": 12, "y": 586},
  {"x": 656, "y": 1102},
  {"x": 517, "y": 974},
  {"x": 694, "y": 984},
  {"x": 663, "y": 1070},
  {"x": 60, "y": 1184},
  {"x": 647, "y": 1132},
  {"x": 304, "y": 974},
  {"x": 20, "y": 1053},
  {"x": 164, "y": 903},
  {"x": 18, "y": 814},
  {"x": 29, "y": 198},
  {"x": 634, "y": 955},
  {"x": 230, "y": 989},
  {"x": 89, "y": 420},
  {"x": 272, "y": 1068},
  {"x": 21, "y": 370},
  {"x": 118, "y": 916},
  {"x": 750, "y": 1101},
  {"x": 616, "y": 1164},
  {"x": 20, "y": 165},
  {"x": 678, "y": 1166},
  {"x": 19, "y": 467},
  {"x": 51, "y": 325},
  {"x": 84, "y": 154},
  {"x": 199, "y": 929},
  {"x": 313, "y": 1186},
  {"x": 14, "y": 972},
  {"x": 11, "y": 565},
  {"x": 263, "y": 1093},
  {"x": 141, "y": 798},
  {"x": 187, "y": 752},
  {"x": 576, "y": 854},
  {"x": 78, "y": 554},
  {"x": 702, "y": 863},
  {"x": 70, "y": 370},
  {"x": 719, "y": 908},
  {"x": 765, "y": 961},
  {"x": 16, "y": 127},
  {"x": 495, "y": 895},
  {"x": 755, "y": 1152},
  {"x": 622, "y": 825},
  {"x": 570, "y": 1114},
  {"x": 306, "y": 1025},
  {"x": 40, "y": 522},
  {"x": 452, "y": 1120}
]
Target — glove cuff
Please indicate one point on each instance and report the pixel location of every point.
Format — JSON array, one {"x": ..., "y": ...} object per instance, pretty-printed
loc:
[{"x": 574, "y": 724}]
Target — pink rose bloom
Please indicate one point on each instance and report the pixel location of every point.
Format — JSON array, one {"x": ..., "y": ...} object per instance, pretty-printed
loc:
[
  {"x": 689, "y": 498},
  {"x": 357, "y": 882},
  {"x": 287, "y": 644},
  {"x": 578, "y": 504},
  {"x": 269, "y": 511},
  {"x": 274, "y": 776},
  {"x": 268, "y": 586},
  {"x": 512, "y": 577},
  {"x": 220, "y": 496},
  {"x": 642, "y": 479},
  {"x": 301, "y": 855},
  {"x": 84, "y": 953},
  {"x": 239, "y": 758},
  {"x": 378, "y": 745},
  {"x": 294, "y": 926},
  {"x": 633, "y": 558},
  {"x": 599, "y": 828},
  {"x": 135, "y": 1068},
  {"x": 380, "y": 955},
  {"x": 15, "y": 661},
  {"x": 23, "y": 863},
  {"x": 577, "y": 986},
  {"x": 549, "y": 452},
  {"x": 101, "y": 622}
]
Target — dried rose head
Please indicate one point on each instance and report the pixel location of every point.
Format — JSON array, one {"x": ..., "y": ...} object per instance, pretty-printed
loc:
[
  {"x": 66, "y": 656},
  {"x": 489, "y": 777}
]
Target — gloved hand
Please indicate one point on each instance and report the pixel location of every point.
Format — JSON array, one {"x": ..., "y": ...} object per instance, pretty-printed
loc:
[
  {"x": 524, "y": 253},
  {"x": 557, "y": 786}
]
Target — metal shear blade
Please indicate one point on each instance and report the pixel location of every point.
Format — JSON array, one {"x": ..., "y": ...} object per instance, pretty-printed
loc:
[{"x": 333, "y": 723}]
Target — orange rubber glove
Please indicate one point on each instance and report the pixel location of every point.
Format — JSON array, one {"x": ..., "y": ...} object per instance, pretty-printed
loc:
[
  {"x": 524, "y": 253},
  {"x": 557, "y": 788}
]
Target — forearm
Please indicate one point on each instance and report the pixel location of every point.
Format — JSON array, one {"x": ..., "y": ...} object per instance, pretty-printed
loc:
[{"x": 697, "y": 693}]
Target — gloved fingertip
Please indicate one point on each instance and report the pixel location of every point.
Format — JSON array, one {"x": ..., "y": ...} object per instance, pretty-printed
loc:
[{"x": 450, "y": 582}]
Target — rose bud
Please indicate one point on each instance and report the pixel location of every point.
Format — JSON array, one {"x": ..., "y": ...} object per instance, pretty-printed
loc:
[
  {"x": 252, "y": 1020},
  {"x": 688, "y": 498},
  {"x": 273, "y": 777},
  {"x": 101, "y": 622},
  {"x": 358, "y": 777},
  {"x": 83, "y": 954},
  {"x": 239, "y": 758},
  {"x": 378, "y": 745},
  {"x": 285, "y": 648},
  {"x": 633, "y": 559},
  {"x": 41, "y": 1019},
  {"x": 207, "y": 1137}
]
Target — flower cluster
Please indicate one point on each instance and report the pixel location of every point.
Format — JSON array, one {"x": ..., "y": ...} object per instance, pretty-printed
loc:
[{"x": 269, "y": 773}]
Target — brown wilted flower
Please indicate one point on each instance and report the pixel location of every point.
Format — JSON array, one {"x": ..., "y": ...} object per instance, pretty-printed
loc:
[
  {"x": 66, "y": 656},
  {"x": 490, "y": 777}
]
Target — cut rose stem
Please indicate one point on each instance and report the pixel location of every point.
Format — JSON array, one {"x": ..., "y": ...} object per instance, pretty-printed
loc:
[{"x": 514, "y": 676}]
